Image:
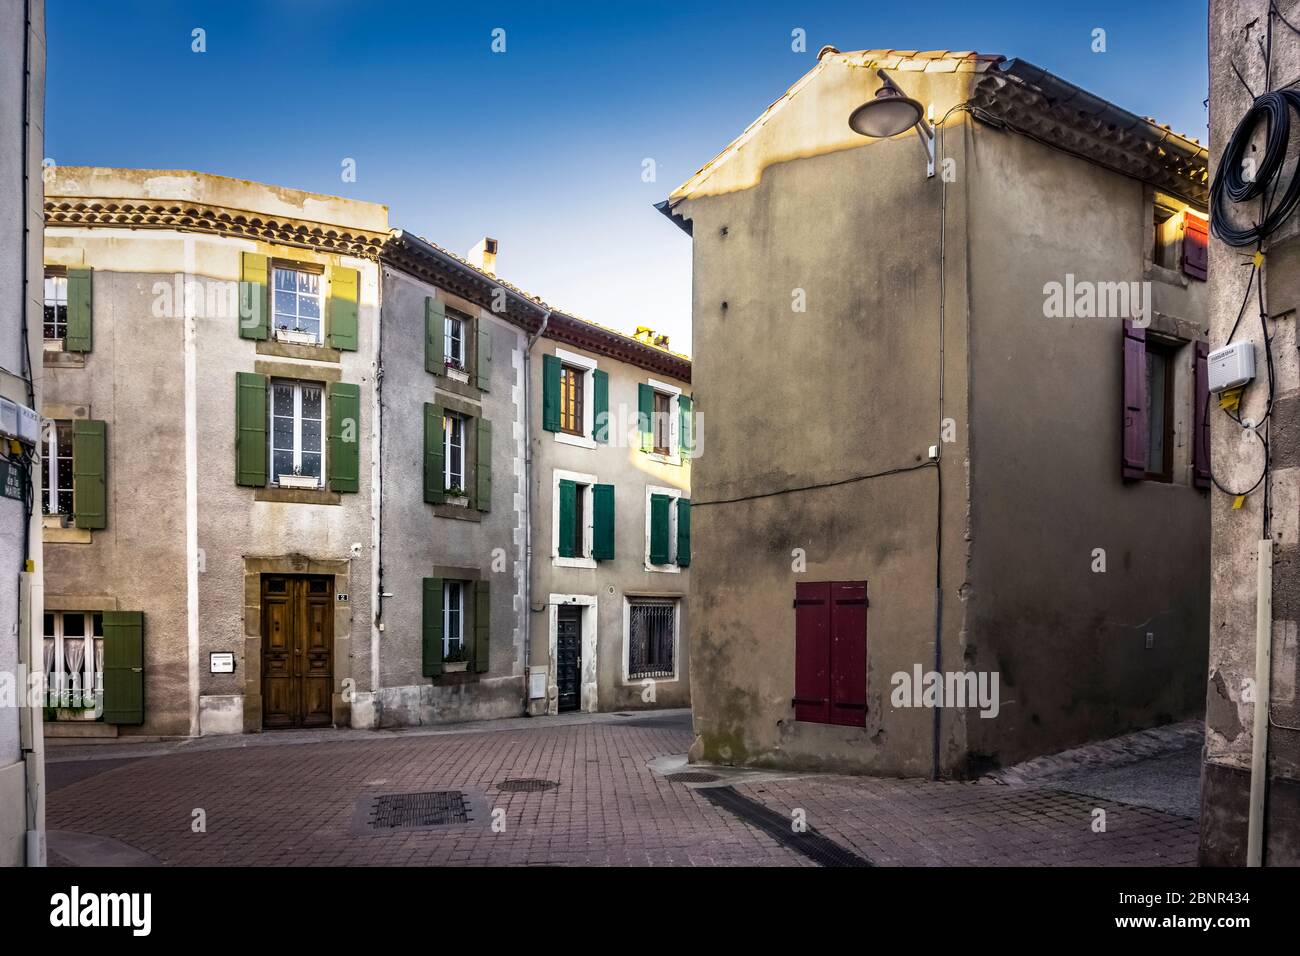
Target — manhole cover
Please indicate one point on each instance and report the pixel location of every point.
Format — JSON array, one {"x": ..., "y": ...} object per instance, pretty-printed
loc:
[
  {"x": 526, "y": 785},
  {"x": 693, "y": 776},
  {"x": 392, "y": 811}
]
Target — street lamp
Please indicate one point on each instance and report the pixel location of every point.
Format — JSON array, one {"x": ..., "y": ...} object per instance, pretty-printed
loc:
[{"x": 891, "y": 112}]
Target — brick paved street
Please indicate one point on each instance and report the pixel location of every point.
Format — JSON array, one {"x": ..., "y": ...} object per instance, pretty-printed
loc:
[{"x": 292, "y": 799}]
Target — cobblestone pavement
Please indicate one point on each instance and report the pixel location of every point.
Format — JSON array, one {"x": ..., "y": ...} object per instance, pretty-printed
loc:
[{"x": 293, "y": 799}]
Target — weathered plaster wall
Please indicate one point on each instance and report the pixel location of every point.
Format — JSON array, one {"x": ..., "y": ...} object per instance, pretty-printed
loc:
[
  {"x": 1069, "y": 643},
  {"x": 622, "y": 464},
  {"x": 848, "y": 388},
  {"x": 1236, "y": 28},
  {"x": 417, "y": 539}
]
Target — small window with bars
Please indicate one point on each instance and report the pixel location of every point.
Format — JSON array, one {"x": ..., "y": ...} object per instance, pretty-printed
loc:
[{"x": 651, "y": 638}]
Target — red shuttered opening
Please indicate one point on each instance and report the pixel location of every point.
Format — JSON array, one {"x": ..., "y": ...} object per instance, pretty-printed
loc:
[{"x": 830, "y": 673}]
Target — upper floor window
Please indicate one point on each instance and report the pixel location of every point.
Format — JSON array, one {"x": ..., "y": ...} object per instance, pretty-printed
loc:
[
  {"x": 453, "y": 620},
  {"x": 56, "y": 496},
  {"x": 453, "y": 448},
  {"x": 454, "y": 327},
  {"x": 571, "y": 399},
  {"x": 1159, "y": 411},
  {"x": 297, "y": 431},
  {"x": 662, "y": 424},
  {"x": 296, "y": 307},
  {"x": 1166, "y": 222},
  {"x": 56, "y": 308}
]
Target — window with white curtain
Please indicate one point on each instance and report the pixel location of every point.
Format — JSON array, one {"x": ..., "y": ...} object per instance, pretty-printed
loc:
[{"x": 74, "y": 659}]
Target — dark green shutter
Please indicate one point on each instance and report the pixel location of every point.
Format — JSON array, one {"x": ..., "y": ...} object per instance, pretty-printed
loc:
[
  {"x": 345, "y": 431},
  {"x": 79, "y": 335},
  {"x": 435, "y": 318},
  {"x": 483, "y": 466},
  {"x": 123, "y": 667},
  {"x": 603, "y": 506},
  {"x": 344, "y": 295},
  {"x": 482, "y": 624},
  {"x": 600, "y": 405},
  {"x": 253, "y": 284},
  {"x": 645, "y": 416},
  {"x": 551, "y": 393},
  {"x": 685, "y": 430},
  {"x": 435, "y": 477},
  {"x": 568, "y": 544},
  {"x": 659, "y": 524},
  {"x": 483, "y": 358},
  {"x": 89, "y": 470},
  {"x": 683, "y": 532},
  {"x": 431, "y": 628},
  {"x": 250, "y": 429}
]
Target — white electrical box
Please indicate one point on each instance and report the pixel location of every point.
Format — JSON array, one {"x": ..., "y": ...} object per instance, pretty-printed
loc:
[
  {"x": 1231, "y": 366},
  {"x": 20, "y": 422}
]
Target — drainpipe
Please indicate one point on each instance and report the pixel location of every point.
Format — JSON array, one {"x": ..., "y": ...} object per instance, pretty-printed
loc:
[
  {"x": 528, "y": 506},
  {"x": 1263, "y": 660}
]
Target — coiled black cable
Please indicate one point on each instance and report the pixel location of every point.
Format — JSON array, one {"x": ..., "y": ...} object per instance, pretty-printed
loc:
[{"x": 1230, "y": 182}]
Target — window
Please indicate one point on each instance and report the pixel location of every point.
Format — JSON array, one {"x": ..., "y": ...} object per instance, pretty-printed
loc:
[
  {"x": 453, "y": 620},
  {"x": 56, "y": 497},
  {"x": 1166, "y": 221},
  {"x": 572, "y": 517},
  {"x": 830, "y": 664},
  {"x": 571, "y": 407},
  {"x": 667, "y": 529},
  {"x": 663, "y": 424},
  {"x": 296, "y": 309},
  {"x": 454, "y": 326},
  {"x": 297, "y": 456},
  {"x": 651, "y": 638},
  {"x": 56, "y": 308},
  {"x": 74, "y": 659},
  {"x": 1159, "y": 412},
  {"x": 453, "y": 452},
  {"x": 578, "y": 528}
]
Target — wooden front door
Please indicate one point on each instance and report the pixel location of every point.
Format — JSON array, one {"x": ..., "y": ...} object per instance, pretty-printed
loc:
[
  {"x": 568, "y": 657},
  {"x": 297, "y": 650}
]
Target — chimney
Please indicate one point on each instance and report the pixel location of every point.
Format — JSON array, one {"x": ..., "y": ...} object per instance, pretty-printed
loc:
[{"x": 484, "y": 255}]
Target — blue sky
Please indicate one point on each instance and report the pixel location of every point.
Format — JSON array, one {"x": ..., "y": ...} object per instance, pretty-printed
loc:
[{"x": 542, "y": 146}]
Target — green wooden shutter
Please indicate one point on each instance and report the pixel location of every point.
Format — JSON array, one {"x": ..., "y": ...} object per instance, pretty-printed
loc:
[
  {"x": 645, "y": 416},
  {"x": 89, "y": 470},
  {"x": 123, "y": 667},
  {"x": 79, "y": 335},
  {"x": 435, "y": 478},
  {"x": 483, "y": 358},
  {"x": 603, "y": 506},
  {"x": 431, "y": 628},
  {"x": 483, "y": 466},
  {"x": 344, "y": 287},
  {"x": 685, "y": 430},
  {"x": 344, "y": 431},
  {"x": 482, "y": 624},
  {"x": 253, "y": 283},
  {"x": 659, "y": 524},
  {"x": 568, "y": 544},
  {"x": 551, "y": 393},
  {"x": 683, "y": 532},
  {"x": 600, "y": 406},
  {"x": 250, "y": 429},
  {"x": 435, "y": 319}
]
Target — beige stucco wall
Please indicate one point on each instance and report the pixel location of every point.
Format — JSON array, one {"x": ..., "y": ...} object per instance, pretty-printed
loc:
[
  {"x": 622, "y": 464},
  {"x": 163, "y": 378}
]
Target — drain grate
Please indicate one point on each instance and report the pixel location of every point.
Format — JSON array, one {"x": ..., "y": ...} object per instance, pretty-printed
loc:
[
  {"x": 693, "y": 776},
  {"x": 394, "y": 811},
  {"x": 526, "y": 785},
  {"x": 813, "y": 845}
]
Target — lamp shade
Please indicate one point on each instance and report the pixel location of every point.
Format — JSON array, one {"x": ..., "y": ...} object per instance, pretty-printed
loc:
[{"x": 887, "y": 114}]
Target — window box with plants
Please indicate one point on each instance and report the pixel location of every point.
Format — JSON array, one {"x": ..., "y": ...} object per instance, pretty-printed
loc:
[
  {"x": 295, "y": 336},
  {"x": 456, "y": 495},
  {"x": 455, "y": 661}
]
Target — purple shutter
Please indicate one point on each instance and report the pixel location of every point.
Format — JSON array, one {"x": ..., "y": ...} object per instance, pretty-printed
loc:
[
  {"x": 812, "y": 652},
  {"x": 849, "y": 653},
  {"x": 1201, "y": 429},
  {"x": 1134, "y": 459}
]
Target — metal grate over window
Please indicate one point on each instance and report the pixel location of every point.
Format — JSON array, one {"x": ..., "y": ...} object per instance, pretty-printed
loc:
[{"x": 651, "y": 639}]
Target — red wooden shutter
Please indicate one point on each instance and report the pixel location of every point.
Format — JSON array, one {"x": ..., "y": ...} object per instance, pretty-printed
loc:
[
  {"x": 812, "y": 652},
  {"x": 849, "y": 653},
  {"x": 1201, "y": 429},
  {"x": 1134, "y": 458},
  {"x": 1196, "y": 246}
]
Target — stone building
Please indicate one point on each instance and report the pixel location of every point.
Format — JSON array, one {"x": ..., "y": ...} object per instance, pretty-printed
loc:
[{"x": 952, "y": 510}]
